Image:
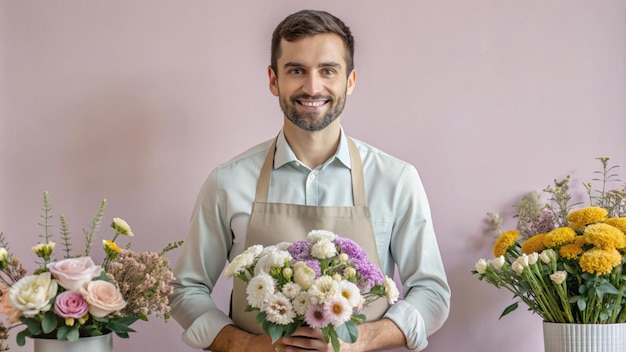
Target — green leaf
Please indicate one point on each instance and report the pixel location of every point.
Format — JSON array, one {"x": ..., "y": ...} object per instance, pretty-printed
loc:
[
  {"x": 73, "y": 335},
  {"x": 581, "y": 304},
  {"x": 123, "y": 335},
  {"x": 34, "y": 326},
  {"x": 49, "y": 322},
  {"x": 348, "y": 331},
  {"x": 261, "y": 317},
  {"x": 21, "y": 337},
  {"x": 62, "y": 333},
  {"x": 509, "y": 309},
  {"x": 605, "y": 288},
  {"x": 274, "y": 330}
]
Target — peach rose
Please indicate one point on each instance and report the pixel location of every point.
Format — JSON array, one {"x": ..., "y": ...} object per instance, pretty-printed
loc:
[
  {"x": 73, "y": 273},
  {"x": 103, "y": 297},
  {"x": 13, "y": 314}
]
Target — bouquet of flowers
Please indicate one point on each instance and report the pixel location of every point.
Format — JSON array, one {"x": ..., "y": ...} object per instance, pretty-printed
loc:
[
  {"x": 566, "y": 264},
  {"x": 323, "y": 282},
  {"x": 71, "y": 297}
]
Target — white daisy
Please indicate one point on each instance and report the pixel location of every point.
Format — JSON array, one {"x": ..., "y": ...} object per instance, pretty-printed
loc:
[
  {"x": 279, "y": 310},
  {"x": 259, "y": 289}
]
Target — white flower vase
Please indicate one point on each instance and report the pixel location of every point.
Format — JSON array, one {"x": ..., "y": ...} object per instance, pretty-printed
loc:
[
  {"x": 584, "y": 337},
  {"x": 102, "y": 343}
]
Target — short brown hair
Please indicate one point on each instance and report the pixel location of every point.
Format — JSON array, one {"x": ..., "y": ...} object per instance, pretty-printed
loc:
[{"x": 307, "y": 23}]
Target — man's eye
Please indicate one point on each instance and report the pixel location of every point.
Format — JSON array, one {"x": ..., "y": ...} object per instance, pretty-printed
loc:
[
  {"x": 328, "y": 72},
  {"x": 296, "y": 71}
]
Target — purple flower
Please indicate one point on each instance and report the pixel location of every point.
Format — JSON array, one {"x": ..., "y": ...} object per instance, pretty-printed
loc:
[
  {"x": 351, "y": 248},
  {"x": 300, "y": 250},
  {"x": 368, "y": 275},
  {"x": 70, "y": 304}
]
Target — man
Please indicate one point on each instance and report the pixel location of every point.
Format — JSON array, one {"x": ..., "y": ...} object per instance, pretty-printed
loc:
[{"x": 312, "y": 176}]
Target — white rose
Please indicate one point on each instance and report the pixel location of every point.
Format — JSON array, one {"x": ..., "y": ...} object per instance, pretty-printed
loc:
[
  {"x": 481, "y": 266},
  {"x": 498, "y": 262},
  {"x": 73, "y": 273},
  {"x": 391, "y": 291},
  {"x": 558, "y": 277},
  {"x": 532, "y": 258},
  {"x": 103, "y": 298},
  {"x": 32, "y": 294},
  {"x": 303, "y": 275},
  {"x": 547, "y": 256},
  {"x": 517, "y": 267},
  {"x": 522, "y": 260}
]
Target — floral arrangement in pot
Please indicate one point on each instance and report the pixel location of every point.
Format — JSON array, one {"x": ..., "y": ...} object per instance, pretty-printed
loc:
[
  {"x": 69, "y": 296},
  {"x": 564, "y": 261},
  {"x": 323, "y": 282}
]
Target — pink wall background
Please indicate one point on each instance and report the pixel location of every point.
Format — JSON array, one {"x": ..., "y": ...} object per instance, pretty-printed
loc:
[{"x": 136, "y": 101}]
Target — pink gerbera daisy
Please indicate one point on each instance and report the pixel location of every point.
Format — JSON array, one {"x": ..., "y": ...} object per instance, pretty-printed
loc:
[
  {"x": 317, "y": 316},
  {"x": 340, "y": 310}
]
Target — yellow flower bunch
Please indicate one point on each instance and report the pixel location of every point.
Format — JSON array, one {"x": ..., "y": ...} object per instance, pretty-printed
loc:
[{"x": 567, "y": 265}]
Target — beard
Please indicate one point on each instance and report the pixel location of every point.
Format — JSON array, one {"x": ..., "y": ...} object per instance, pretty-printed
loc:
[{"x": 312, "y": 121}]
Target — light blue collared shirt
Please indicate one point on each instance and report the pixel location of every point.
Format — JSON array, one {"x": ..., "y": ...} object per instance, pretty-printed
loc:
[{"x": 400, "y": 216}]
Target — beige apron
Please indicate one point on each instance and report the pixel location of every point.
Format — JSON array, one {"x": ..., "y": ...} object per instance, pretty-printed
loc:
[{"x": 271, "y": 223}]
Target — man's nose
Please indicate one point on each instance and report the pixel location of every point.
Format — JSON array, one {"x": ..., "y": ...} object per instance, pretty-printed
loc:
[{"x": 313, "y": 85}]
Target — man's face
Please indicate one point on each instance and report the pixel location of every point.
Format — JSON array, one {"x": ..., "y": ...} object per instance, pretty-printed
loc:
[{"x": 311, "y": 82}]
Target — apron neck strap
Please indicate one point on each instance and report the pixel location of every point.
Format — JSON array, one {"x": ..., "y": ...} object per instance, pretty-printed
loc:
[{"x": 358, "y": 183}]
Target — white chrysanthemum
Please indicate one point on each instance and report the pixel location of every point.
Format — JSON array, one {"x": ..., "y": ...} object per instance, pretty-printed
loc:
[
  {"x": 301, "y": 302},
  {"x": 391, "y": 290},
  {"x": 273, "y": 257},
  {"x": 122, "y": 227},
  {"x": 303, "y": 275},
  {"x": 323, "y": 288},
  {"x": 323, "y": 249},
  {"x": 351, "y": 292},
  {"x": 243, "y": 260},
  {"x": 340, "y": 310},
  {"x": 317, "y": 235},
  {"x": 279, "y": 310},
  {"x": 283, "y": 245},
  {"x": 259, "y": 289},
  {"x": 291, "y": 290}
]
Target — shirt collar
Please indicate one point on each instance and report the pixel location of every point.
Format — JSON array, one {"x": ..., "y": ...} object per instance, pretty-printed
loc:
[{"x": 285, "y": 155}]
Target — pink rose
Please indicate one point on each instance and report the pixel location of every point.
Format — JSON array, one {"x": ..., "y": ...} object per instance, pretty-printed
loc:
[
  {"x": 103, "y": 297},
  {"x": 73, "y": 273},
  {"x": 70, "y": 305}
]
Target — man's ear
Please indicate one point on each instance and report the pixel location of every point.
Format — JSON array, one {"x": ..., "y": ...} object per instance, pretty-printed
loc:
[
  {"x": 273, "y": 80},
  {"x": 351, "y": 82}
]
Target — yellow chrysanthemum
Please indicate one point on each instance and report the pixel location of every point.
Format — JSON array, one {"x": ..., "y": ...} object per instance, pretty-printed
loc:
[
  {"x": 111, "y": 246},
  {"x": 600, "y": 261},
  {"x": 534, "y": 244},
  {"x": 620, "y": 223},
  {"x": 605, "y": 236},
  {"x": 559, "y": 237},
  {"x": 580, "y": 218},
  {"x": 505, "y": 241},
  {"x": 573, "y": 250}
]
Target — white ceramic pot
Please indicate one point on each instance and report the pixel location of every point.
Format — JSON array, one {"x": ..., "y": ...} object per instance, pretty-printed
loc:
[
  {"x": 584, "y": 337},
  {"x": 102, "y": 343}
]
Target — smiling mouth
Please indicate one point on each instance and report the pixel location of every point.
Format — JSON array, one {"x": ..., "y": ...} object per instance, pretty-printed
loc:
[{"x": 312, "y": 104}]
